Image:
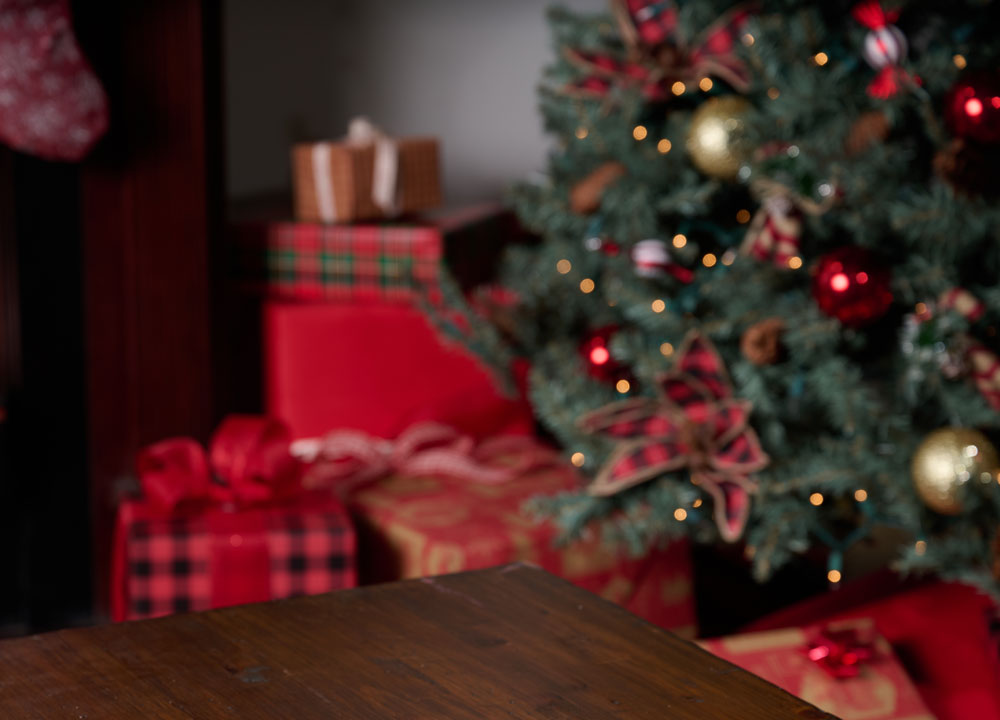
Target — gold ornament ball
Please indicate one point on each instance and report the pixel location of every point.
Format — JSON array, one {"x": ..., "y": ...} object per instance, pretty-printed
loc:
[
  {"x": 949, "y": 460},
  {"x": 715, "y": 139}
]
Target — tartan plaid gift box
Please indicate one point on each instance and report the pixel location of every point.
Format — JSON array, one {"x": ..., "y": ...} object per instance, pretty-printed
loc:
[
  {"x": 431, "y": 503},
  {"x": 194, "y": 544},
  {"x": 365, "y": 176},
  {"x": 311, "y": 261},
  {"x": 389, "y": 262}
]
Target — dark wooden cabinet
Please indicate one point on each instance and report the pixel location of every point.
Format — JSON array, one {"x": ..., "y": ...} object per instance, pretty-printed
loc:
[
  {"x": 107, "y": 303},
  {"x": 150, "y": 222}
]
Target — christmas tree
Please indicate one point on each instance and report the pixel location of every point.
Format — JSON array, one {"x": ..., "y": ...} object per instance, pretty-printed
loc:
[{"x": 765, "y": 303}]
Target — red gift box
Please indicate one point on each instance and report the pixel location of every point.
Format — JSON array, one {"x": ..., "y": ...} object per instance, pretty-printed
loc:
[
  {"x": 193, "y": 543},
  {"x": 941, "y": 631},
  {"x": 379, "y": 369},
  {"x": 432, "y": 503},
  {"x": 857, "y": 679}
]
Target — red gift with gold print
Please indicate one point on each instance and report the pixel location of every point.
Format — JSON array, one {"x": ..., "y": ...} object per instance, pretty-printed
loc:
[
  {"x": 844, "y": 668},
  {"x": 432, "y": 502}
]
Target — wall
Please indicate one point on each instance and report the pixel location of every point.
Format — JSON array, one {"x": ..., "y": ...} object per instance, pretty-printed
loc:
[{"x": 465, "y": 70}]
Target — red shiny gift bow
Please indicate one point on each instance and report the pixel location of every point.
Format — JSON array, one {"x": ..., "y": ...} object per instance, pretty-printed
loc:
[
  {"x": 345, "y": 459},
  {"x": 248, "y": 462},
  {"x": 842, "y": 651}
]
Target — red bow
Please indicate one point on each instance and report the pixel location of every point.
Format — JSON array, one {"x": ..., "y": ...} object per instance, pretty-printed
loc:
[
  {"x": 842, "y": 650},
  {"x": 348, "y": 458},
  {"x": 248, "y": 462},
  {"x": 696, "y": 423},
  {"x": 660, "y": 56}
]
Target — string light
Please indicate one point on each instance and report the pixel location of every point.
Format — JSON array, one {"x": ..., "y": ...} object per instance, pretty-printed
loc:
[
  {"x": 577, "y": 459},
  {"x": 794, "y": 262},
  {"x": 705, "y": 84},
  {"x": 663, "y": 146},
  {"x": 696, "y": 503},
  {"x": 821, "y": 58},
  {"x": 773, "y": 93},
  {"x": 658, "y": 306},
  {"x": 678, "y": 88},
  {"x": 709, "y": 260},
  {"x": 816, "y": 499},
  {"x": 680, "y": 514},
  {"x": 680, "y": 240},
  {"x": 748, "y": 40},
  {"x": 833, "y": 576},
  {"x": 959, "y": 61},
  {"x": 586, "y": 286},
  {"x": 639, "y": 132},
  {"x": 743, "y": 217},
  {"x": 582, "y": 132},
  {"x": 666, "y": 349},
  {"x": 920, "y": 547},
  {"x": 729, "y": 257},
  {"x": 623, "y": 386},
  {"x": 920, "y": 308},
  {"x": 860, "y": 495},
  {"x": 564, "y": 266}
]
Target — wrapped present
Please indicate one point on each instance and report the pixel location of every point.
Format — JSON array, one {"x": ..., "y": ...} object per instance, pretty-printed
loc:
[
  {"x": 228, "y": 527},
  {"x": 365, "y": 176},
  {"x": 397, "y": 263},
  {"x": 441, "y": 504},
  {"x": 844, "y": 668},
  {"x": 376, "y": 368},
  {"x": 953, "y": 660}
]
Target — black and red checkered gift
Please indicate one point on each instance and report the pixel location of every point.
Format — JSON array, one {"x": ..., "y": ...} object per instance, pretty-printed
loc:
[
  {"x": 216, "y": 558},
  {"x": 193, "y": 543}
]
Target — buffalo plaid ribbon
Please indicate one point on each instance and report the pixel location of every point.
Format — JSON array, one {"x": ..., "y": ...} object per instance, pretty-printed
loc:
[
  {"x": 172, "y": 562},
  {"x": 658, "y": 54},
  {"x": 394, "y": 263},
  {"x": 696, "y": 424}
]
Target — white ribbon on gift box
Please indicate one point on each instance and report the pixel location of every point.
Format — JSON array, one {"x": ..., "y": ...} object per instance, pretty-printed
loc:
[{"x": 385, "y": 173}]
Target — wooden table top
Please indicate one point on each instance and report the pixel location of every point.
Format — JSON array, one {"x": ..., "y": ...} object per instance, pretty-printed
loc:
[{"x": 511, "y": 642}]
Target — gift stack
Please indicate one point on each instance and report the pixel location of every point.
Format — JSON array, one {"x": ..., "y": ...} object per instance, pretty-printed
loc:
[{"x": 433, "y": 460}]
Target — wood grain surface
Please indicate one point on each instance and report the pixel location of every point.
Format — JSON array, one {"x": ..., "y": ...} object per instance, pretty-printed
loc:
[{"x": 511, "y": 642}]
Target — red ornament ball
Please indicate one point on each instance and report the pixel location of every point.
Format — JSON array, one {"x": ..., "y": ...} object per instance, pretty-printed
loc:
[
  {"x": 595, "y": 352},
  {"x": 972, "y": 108},
  {"x": 851, "y": 285}
]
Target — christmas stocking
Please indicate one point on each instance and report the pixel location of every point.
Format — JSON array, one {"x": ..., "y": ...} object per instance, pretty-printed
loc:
[{"x": 51, "y": 104}]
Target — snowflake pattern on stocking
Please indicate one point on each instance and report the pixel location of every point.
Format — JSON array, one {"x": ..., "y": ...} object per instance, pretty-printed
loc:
[{"x": 51, "y": 103}]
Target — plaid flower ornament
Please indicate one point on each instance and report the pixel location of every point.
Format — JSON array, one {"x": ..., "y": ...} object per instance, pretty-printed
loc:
[
  {"x": 659, "y": 54},
  {"x": 697, "y": 424}
]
